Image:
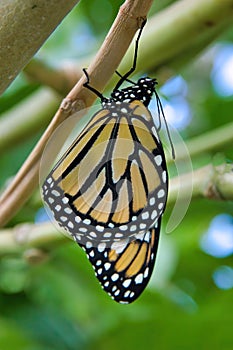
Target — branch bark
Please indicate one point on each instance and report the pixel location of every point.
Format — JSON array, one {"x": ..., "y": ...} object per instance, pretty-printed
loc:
[{"x": 24, "y": 27}]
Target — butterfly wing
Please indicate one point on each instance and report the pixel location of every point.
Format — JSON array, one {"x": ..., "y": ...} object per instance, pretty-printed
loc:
[
  {"x": 112, "y": 180},
  {"x": 124, "y": 269}
]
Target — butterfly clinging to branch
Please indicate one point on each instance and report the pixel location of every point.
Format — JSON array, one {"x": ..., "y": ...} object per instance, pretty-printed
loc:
[{"x": 109, "y": 189}]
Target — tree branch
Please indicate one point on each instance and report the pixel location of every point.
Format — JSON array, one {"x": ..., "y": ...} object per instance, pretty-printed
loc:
[
  {"x": 105, "y": 63},
  {"x": 219, "y": 18},
  {"x": 25, "y": 236},
  {"x": 212, "y": 182},
  {"x": 191, "y": 25},
  {"x": 17, "y": 123},
  {"x": 179, "y": 27},
  {"x": 24, "y": 27}
]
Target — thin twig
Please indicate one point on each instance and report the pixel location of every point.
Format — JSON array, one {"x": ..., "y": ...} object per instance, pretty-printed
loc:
[
  {"x": 212, "y": 182},
  {"x": 210, "y": 142},
  {"x": 60, "y": 79}
]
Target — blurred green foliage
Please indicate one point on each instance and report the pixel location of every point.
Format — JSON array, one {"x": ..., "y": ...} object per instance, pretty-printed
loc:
[{"x": 59, "y": 304}]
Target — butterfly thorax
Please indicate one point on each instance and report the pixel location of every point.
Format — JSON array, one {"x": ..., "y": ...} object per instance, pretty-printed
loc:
[{"x": 142, "y": 90}]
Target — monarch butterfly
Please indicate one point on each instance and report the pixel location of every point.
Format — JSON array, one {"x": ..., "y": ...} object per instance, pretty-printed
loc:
[{"x": 109, "y": 189}]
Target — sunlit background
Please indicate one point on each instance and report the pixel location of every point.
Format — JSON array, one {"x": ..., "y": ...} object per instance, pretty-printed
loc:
[{"x": 58, "y": 304}]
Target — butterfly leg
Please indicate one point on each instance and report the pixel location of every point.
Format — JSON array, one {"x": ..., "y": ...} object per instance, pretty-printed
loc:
[
  {"x": 87, "y": 85},
  {"x": 132, "y": 69},
  {"x": 120, "y": 75}
]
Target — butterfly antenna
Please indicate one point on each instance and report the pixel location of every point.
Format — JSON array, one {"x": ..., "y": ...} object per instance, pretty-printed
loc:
[{"x": 160, "y": 111}]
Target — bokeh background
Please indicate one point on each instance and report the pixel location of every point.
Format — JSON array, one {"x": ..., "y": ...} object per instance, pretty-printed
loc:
[{"x": 49, "y": 297}]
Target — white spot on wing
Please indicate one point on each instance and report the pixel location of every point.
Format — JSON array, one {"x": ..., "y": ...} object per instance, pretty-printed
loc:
[
  {"x": 119, "y": 246},
  {"x": 77, "y": 219},
  {"x": 70, "y": 224},
  {"x": 107, "y": 235},
  {"x": 126, "y": 283},
  {"x": 158, "y": 160},
  {"x": 164, "y": 176},
  {"x": 154, "y": 214},
  {"x": 160, "y": 206},
  {"x": 118, "y": 235},
  {"x": 124, "y": 110},
  {"x": 127, "y": 293},
  {"x": 114, "y": 277},
  {"x": 145, "y": 215},
  {"x": 68, "y": 210},
  {"x": 133, "y": 228},
  {"x": 107, "y": 266},
  {"x": 123, "y": 227},
  {"x": 142, "y": 226},
  {"x": 146, "y": 272},
  {"x": 161, "y": 193},
  {"x": 92, "y": 253},
  {"x": 99, "y": 228},
  {"x": 93, "y": 234},
  {"x": 88, "y": 245},
  {"x": 147, "y": 237},
  {"x": 101, "y": 247},
  {"x": 55, "y": 193},
  {"x": 83, "y": 229},
  {"x": 152, "y": 201},
  {"x": 139, "y": 278}
]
